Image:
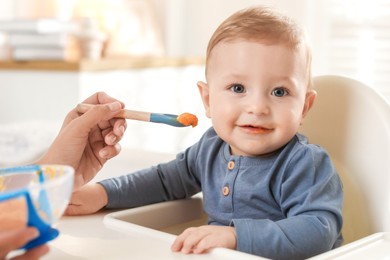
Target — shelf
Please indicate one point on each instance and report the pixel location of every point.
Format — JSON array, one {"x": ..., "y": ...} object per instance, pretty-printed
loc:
[{"x": 103, "y": 64}]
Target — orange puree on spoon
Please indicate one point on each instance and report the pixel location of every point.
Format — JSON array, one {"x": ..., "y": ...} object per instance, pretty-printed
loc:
[{"x": 188, "y": 119}]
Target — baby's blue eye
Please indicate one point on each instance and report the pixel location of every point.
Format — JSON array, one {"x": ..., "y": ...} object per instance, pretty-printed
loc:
[
  {"x": 237, "y": 88},
  {"x": 279, "y": 92}
]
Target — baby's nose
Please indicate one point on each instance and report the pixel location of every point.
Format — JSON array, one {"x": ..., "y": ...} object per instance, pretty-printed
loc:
[{"x": 258, "y": 105}]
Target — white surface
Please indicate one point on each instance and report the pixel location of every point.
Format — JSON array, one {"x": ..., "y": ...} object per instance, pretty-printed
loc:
[
  {"x": 160, "y": 220},
  {"x": 376, "y": 246},
  {"x": 156, "y": 220},
  {"x": 86, "y": 237}
]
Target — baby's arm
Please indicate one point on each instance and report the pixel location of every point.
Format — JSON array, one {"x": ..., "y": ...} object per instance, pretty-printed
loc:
[
  {"x": 150, "y": 185},
  {"x": 198, "y": 240},
  {"x": 87, "y": 200}
]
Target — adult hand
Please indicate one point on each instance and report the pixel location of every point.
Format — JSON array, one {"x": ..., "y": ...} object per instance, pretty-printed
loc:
[
  {"x": 199, "y": 240},
  {"x": 87, "y": 141},
  {"x": 87, "y": 200},
  {"x": 12, "y": 240}
]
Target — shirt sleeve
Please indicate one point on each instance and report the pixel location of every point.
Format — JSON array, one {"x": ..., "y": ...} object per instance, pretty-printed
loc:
[
  {"x": 310, "y": 195},
  {"x": 168, "y": 181}
]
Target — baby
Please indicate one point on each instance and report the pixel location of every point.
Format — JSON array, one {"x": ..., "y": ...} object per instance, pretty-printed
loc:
[{"x": 266, "y": 190}]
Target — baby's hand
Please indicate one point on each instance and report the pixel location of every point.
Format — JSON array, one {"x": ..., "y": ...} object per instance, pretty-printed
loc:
[{"x": 198, "y": 240}]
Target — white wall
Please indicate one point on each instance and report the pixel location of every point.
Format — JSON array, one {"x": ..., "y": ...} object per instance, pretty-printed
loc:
[
  {"x": 33, "y": 105},
  {"x": 188, "y": 25},
  {"x": 37, "y": 95}
]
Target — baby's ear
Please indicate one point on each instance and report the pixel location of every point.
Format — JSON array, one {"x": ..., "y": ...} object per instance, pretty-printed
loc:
[
  {"x": 205, "y": 95},
  {"x": 309, "y": 101}
]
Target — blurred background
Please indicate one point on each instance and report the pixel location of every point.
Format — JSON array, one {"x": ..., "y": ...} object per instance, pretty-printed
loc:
[{"x": 150, "y": 54}]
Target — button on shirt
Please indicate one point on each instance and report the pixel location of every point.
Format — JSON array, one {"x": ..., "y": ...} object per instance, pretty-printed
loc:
[{"x": 231, "y": 173}]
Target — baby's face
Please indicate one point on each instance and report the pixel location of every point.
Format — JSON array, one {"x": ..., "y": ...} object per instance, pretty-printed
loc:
[{"x": 255, "y": 95}]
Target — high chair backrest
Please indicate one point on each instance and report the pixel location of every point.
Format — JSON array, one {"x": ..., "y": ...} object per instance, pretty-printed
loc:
[{"x": 352, "y": 122}]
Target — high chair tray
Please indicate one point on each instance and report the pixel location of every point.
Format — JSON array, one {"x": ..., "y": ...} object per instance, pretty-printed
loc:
[
  {"x": 375, "y": 246},
  {"x": 165, "y": 220}
]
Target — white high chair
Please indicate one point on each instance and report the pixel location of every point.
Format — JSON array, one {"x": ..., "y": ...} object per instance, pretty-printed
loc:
[{"x": 352, "y": 122}]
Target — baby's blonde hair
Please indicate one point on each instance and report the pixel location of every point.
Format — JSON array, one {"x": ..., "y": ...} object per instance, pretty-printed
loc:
[{"x": 264, "y": 25}]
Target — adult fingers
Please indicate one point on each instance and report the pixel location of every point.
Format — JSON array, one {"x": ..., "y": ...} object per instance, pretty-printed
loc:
[
  {"x": 113, "y": 132},
  {"x": 35, "y": 253},
  {"x": 110, "y": 151},
  {"x": 119, "y": 128},
  {"x": 11, "y": 240}
]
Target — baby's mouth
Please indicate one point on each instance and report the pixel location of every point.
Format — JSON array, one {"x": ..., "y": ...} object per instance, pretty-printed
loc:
[{"x": 253, "y": 129}]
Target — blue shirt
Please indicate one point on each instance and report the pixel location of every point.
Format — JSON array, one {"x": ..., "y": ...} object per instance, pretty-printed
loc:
[{"x": 285, "y": 205}]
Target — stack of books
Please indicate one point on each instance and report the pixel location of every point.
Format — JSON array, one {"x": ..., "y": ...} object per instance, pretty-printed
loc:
[{"x": 41, "y": 39}]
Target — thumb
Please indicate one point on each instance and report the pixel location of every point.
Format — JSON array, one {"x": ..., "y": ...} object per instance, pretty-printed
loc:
[
  {"x": 97, "y": 113},
  {"x": 74, "y": 210},
  {"x": 81, "y": 209}
]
